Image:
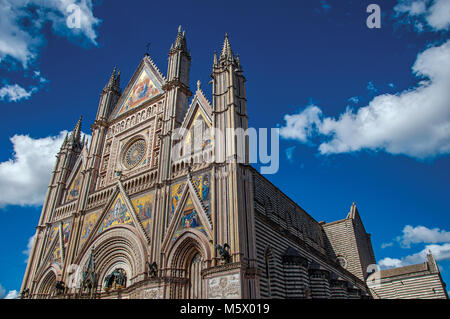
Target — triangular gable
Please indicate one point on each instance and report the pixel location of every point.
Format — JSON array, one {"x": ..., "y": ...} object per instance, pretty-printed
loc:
[
  {"x": 199, "y": 106},
  {"x": 189, "y": 219},
  {"x": 118, "y": 211},
  {"x": 143, "y": 206},
  {"x": 118, "y": 214},
  {"x": 189, "y": 216},
  {"x": 198, "y": 123},
  {"x": 145, "y": 84}
]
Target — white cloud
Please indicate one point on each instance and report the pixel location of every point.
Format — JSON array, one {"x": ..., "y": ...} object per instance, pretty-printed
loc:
[
  {"x": 415, "y": 122},
  {"x": 385, "y": 245},
  {"x": 21, "y": 36},
  {"x": 390, "y": 263},
  {"x": 12, "y": 294},
  {"x": 20, "y": 41},
  {"x": 433, "y": 13},
  {"x": 59, "y": 11},
  {"x": 15, "y": 93},
  {"x": 24, "y": 178},
  {"x": 422, "y": 234},
  {"x": 301, "y": 126},
  {"x": 30, "y": 243},
  {"x": 440, "y": 252}
]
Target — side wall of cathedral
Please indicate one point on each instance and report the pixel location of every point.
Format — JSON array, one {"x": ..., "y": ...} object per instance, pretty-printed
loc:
[{"x": 292, "y": 253}]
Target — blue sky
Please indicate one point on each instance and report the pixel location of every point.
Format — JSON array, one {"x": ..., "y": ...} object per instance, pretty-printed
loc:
[{"x": 364, "y": 114}]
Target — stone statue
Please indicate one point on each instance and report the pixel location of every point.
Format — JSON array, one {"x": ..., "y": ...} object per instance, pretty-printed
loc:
[
  {"x": 117, "y": 279},
  {"x": 152, "y": 269},
  {"x": 224, "y": 252},
  {"x": 60, "y": 287},
  {"x": 25, "y": 294}
]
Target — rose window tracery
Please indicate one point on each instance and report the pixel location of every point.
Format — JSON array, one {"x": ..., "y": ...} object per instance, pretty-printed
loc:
[{"x": 134, "y": 153}]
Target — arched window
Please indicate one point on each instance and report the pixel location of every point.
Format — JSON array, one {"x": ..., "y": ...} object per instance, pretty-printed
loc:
[{"x": 195, "y": 277}]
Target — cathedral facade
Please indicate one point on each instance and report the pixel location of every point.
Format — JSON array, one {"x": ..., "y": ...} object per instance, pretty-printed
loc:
[{"x": 157, "y": 206}]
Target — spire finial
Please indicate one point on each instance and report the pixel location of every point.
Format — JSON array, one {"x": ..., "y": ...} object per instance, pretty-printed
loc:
[
  {"x": 77, "y": 130},
  {"x": 75, "y": 136},
  {"x": 180, "y": 41},
  {"x": 226, "y": 50},
  {"x": 117, "y": 81},
  {"x": 198, "y": 84}
]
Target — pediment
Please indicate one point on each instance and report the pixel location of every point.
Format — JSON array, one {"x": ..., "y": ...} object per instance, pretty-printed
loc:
[
  {"x": 145, "y": 85},
  {"x": 189, "y": 215}
]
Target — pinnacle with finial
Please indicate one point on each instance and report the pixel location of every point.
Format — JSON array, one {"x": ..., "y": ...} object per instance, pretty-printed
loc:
[
  {"x": 215, "y": 58},
  {"x": 180, "y": 41},
  {"x": 117, "y": 81},
  {"x": 226, "y": 49},
  {"x": 77, "y": 130},
  {"x": 112, "y": 78}
]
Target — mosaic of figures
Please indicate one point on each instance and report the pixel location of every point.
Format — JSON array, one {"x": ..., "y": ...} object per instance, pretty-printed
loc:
[
  {"x": 143, "y": 89},
  {"x": 89, "y": 223},
  {"x": 177, "y": 191},
  {"x": 56, "y": 257},
  {"x": 118, "y": 215},
  {"x": 66, "y": 232},
  {"x": 189, "y": 220},
  {"x": 143, "y": 206},
  {"x": 54, "y": 233},
  {"x": 75, "y": 187},
  {"x": 202, "y": 185}
]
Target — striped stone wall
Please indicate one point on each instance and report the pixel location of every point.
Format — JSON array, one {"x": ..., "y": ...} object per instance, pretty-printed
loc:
[
  {"x": 291, "y": 250},
  {"x": 426, "y": 286}
]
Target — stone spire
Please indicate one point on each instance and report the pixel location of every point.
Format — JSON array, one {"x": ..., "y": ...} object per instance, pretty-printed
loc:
[
  {"x": 114, "y": 81},
  {"x": 117, "y": 82},
  {"x": 180, "y": 41},
  {"x": 75, "y": 136},
  {"x": 215, "y": 59},
  {"x": 227, "y": 53},
  {"x": 112, "y": 78},
  {"x": 179, "y": 62}
]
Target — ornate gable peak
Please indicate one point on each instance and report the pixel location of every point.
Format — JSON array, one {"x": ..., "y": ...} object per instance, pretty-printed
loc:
[
  {"x": 155, "y": 76},
  {"x": 148, "y": 59},
  {"x": 201, "y": 100}
]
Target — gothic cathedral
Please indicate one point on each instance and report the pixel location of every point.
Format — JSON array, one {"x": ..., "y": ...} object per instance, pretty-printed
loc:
[{"x": 157, "y": 206}]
